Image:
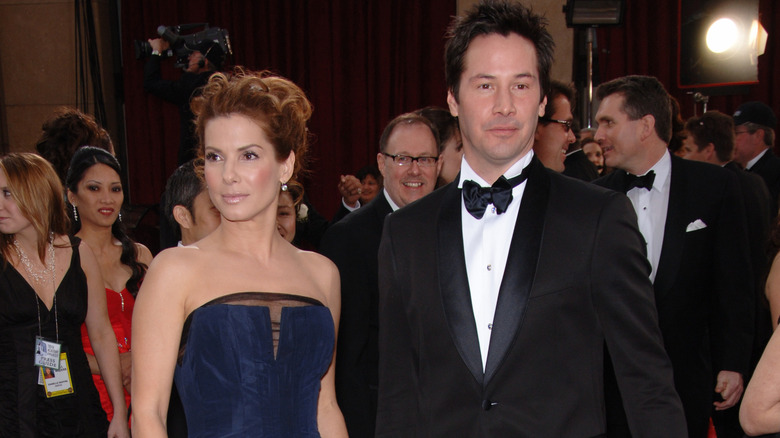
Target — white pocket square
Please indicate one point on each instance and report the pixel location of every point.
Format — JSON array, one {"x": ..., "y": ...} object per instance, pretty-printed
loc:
[{"x": 698, "y": 224}]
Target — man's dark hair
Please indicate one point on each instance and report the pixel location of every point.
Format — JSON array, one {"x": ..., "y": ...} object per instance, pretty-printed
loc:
[
  {"x": 445, "y": 123},
  {"x": 181, "y": 189},
  {"x": 716, "y": 128},
  {"x": 500, "y": 17},
  {"x": 407, "y": 119},
  {"x": 557, "y": 88},
  {"x": 643, "y": 95}
]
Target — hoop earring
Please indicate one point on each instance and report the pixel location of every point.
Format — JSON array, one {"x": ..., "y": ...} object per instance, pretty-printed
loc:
[
  {"x": 284, "y": 187},
  {"x": 75, "y": 214}
]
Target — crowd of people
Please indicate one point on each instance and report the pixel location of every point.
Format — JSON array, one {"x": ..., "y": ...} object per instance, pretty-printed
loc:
[{"x": 496, "y": 272}]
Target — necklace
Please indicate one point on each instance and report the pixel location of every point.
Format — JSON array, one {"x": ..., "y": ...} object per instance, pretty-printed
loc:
[
  {"x": 121, "y": 297},
  {"x": 38, "y": 276}
]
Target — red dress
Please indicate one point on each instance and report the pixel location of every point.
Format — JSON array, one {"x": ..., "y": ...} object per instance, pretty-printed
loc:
[{"x": 120, "y": 313}]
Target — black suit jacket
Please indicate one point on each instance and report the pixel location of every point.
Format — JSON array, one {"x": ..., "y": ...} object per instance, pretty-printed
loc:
[
  {"x": 703, "y": 285},
  {"x": 577, "y": 165},
  {"x": 352, "y": 244},
  {"x": 758, "y": 203},
  {"x": 576, "y": 276},
  {"x": 768, "y": 168}
]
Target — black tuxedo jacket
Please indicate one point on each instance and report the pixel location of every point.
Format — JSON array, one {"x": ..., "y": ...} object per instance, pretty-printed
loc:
[
  {"x": 352, "y": 244},
  {"x": 758, "y": 203},
  {"x": 703, "y": 285},
  {"x": 576, "y": 277},
  {"x": 768, "y": 168}
]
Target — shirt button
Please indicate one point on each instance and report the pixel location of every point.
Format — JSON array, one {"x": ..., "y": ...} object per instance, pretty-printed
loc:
[
  {"x": 489, "y": 267},
  {"x": 490, "y": 326}
]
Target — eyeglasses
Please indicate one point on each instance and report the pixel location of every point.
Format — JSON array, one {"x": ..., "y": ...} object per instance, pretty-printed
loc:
[
  {"x": 566, "y": 123},
  {"x": 406, "y": 160}
]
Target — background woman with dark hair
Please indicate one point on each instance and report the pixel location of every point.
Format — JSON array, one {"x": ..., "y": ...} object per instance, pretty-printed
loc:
[
  {"x": 49, "y": 286},
  {"x": 95, "y": 195}
]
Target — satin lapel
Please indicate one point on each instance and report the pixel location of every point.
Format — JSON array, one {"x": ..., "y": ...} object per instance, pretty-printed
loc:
[
  {"x": 520, "y": 267},
  {"x": 674, "y": 230},
  {"x": 454, "y": 283}
]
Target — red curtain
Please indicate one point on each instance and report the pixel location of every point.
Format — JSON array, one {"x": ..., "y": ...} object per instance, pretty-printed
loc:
[
  {"x": 647, "y": 44},
  {"x": 360, "y": 62}
]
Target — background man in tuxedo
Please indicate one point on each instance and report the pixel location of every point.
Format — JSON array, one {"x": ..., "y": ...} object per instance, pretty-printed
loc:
[
  {"x": 754, "y": 131},
  {"x": 693, "y": 219},
  {"x": 408, "y": 161},
  {"x": 481, "y": 333}
]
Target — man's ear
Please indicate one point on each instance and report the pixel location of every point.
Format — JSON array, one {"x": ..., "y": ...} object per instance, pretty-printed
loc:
[
  {"x": 380, "y": 163},
  {"x": 647, "y": 126},
  {"x": 452, "y": 102},
  {"x": 182, "y": 216},
  {"x": 709, "y": 150}
]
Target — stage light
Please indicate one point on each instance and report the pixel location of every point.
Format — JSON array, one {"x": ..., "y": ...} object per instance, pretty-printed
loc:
[
  {"x": 594, "y": 12},
  {"x": 722, "y": 35},
  {"x": 720, "y": 41}
]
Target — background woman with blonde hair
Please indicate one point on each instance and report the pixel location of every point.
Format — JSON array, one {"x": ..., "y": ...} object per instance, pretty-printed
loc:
[
  {"x": 49, "y": 286},
  {"x": 244, "y": 320}
]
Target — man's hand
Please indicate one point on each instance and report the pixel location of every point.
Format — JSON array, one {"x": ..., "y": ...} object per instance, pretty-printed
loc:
[
  {"x": 349, "y": 187},
  {"x": 730, "y": 386},
  {"x": 159, "y": 44}
]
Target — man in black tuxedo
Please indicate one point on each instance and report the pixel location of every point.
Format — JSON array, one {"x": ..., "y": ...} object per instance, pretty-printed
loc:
[
  {"x": 496, "y": 303},
  {"x": 692, "y": 218},
  {"x": 408, "y": 161},
  {"x": 754, "y": 132},
  {"x": 710, "y": 139}
]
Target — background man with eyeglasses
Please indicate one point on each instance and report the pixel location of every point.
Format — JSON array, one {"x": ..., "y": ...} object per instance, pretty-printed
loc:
[
  {"x": 409, "y": 162},
  {"x": 754, "y": 139},
  {"x": 554, "y": 131}
]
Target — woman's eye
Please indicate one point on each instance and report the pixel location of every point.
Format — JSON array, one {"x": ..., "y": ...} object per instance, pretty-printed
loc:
[
  {"x": 92, "y": 188},
  {"x": 211, "y": 156},
  {"x": 250, "y": 155}
]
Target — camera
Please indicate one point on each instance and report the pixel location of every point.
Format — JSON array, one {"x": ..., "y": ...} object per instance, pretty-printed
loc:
[{"x": 183, "y": 45}]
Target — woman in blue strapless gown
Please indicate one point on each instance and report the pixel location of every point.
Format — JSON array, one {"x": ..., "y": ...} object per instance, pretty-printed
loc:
[{"x": 243, "y": 321}]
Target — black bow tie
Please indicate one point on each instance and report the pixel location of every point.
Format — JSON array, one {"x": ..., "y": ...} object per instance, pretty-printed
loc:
[
  {"x": 642, "y": 182},
  {"x": 499, "y": 194}
]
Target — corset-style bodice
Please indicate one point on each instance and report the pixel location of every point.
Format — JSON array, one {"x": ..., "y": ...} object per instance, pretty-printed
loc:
[{"x": 250, "y": 365}]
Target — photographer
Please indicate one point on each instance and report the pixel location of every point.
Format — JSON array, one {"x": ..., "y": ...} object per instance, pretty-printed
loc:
[{"x": 205, "y": 58}]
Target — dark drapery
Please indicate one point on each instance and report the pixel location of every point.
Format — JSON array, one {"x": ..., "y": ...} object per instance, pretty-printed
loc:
[
  {"x": 360, "y": 62},
  {"x": 647, "y": 44}
]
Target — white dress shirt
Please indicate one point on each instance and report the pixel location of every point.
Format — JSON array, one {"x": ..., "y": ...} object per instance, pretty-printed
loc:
[
  {"x": 651, "y": 207},
  {"x": 393, "y": 205},
  {"x": 755, "y": 159},
  {"x": 486, "y": 244}
]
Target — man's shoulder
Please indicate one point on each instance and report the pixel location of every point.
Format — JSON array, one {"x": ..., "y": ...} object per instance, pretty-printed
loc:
[{"x": 360, "y": 222}]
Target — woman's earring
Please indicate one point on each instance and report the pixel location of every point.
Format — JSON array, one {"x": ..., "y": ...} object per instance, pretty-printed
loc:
[
  {"x": 75, "y": 214},
  {"x": 284, "y": 187},
  {"x": 120, "y": 216}
]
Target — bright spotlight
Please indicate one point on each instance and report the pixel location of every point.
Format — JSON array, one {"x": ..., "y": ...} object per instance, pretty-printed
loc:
[
  {"x": 722, "y": 35},
  {"x": 720, "y": 42}
]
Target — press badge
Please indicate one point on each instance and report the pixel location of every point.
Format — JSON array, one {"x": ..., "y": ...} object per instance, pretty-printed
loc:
[
  {"x": 47, "y": 353},
  {"x": 57, "y": 382}
]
